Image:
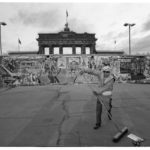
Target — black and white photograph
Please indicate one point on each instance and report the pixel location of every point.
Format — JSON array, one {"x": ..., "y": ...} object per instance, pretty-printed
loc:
[{"x": 74, "y": 74}]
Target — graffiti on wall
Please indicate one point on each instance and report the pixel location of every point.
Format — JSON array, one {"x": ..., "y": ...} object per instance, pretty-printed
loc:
[
  {"x": 125, "y": 63},
  {"x": 147, "y": 67},
  {"x": 38, "y": 69},
  {"x": 135, "y": 66}
]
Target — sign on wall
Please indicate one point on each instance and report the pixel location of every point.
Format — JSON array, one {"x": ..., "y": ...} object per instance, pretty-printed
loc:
[{"x": 61, "y": 63}]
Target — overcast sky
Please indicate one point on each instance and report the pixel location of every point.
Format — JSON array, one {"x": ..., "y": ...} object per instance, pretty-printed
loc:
[{"x": 26, "y": 20}]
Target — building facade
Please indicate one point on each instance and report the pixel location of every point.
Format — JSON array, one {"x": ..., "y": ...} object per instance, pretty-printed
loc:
[{"x": 66, "y": 42}]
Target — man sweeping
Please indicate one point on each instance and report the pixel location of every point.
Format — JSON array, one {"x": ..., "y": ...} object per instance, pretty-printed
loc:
[{"x": 106, "y": 80}]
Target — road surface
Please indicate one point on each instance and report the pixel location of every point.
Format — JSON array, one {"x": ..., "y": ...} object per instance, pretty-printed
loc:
[{"x": 64, "y": 115}]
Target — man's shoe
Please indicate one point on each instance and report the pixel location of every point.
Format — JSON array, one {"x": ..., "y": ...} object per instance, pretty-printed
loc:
[{"x": 97, "y": 126}]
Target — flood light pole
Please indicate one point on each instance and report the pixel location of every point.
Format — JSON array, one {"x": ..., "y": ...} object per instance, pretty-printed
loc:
[
  {"x": 130, "y": 25},
  {"x": 3, "y": 24}
]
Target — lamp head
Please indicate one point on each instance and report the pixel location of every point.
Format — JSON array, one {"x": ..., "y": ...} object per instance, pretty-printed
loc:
[
  {"x": 126, "y": 24},
  {"x": 3, "y": 23},
  {"x": 132, "y": 24}
]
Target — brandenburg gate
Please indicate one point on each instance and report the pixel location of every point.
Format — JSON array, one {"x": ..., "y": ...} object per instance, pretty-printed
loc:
[{"x": 66, "y": 42}]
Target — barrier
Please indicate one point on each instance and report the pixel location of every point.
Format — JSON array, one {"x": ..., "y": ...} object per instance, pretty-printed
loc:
[{"x": 40, "y": 69}]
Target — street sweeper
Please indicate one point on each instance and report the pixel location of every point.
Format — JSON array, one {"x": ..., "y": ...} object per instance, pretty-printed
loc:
[
  {"x": 106, "y": 77},
  {"x": 105, "y": 86}
]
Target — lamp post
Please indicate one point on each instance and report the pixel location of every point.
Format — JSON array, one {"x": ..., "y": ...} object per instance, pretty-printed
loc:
[
  {"x": 130, "y": 25},
  {"x": 3, "y": 24}
]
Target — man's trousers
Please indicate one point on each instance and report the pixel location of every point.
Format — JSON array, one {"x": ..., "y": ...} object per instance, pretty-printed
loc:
[{"x": 108, "y": 103}]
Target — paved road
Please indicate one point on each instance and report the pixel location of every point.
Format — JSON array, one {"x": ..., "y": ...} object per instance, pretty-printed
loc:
[{"x": 65, "y": 115}]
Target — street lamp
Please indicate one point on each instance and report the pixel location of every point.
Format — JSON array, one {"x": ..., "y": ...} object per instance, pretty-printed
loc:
[
  {"x": 3, "y": 24},
  {"x": 130, "y": 25}
]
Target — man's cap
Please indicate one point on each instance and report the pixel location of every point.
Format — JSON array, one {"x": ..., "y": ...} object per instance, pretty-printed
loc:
[{"x": 106, "y": 68}]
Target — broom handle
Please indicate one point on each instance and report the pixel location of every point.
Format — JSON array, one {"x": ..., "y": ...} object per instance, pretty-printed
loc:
[{"x": 101, "y": 101}]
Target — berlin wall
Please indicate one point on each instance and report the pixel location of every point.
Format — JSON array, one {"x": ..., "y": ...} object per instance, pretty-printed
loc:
[{"x": 41, "y": 69}]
